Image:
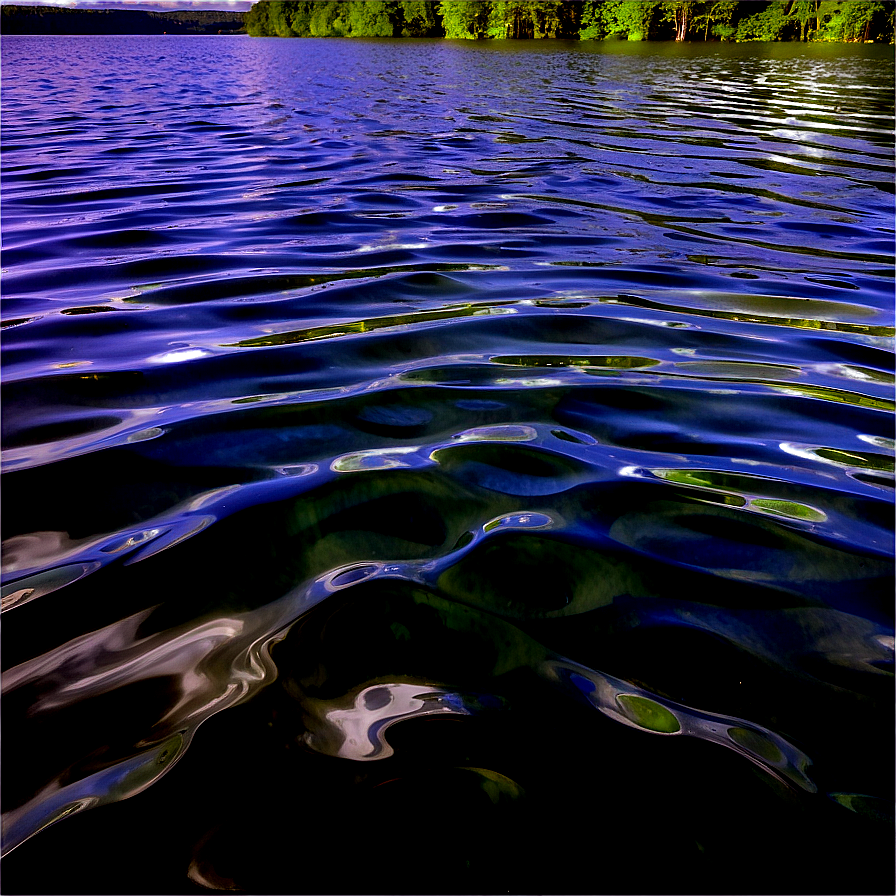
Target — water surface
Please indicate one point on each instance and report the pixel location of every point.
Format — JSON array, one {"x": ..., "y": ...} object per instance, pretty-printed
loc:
[{"x": 446, "y": 467}]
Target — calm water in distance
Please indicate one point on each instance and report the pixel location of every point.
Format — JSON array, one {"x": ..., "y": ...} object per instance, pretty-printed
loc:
[{"x": 434, "y": 466}]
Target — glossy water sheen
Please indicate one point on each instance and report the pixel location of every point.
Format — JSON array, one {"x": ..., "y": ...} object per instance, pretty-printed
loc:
[{"x": 491, "y": 444}]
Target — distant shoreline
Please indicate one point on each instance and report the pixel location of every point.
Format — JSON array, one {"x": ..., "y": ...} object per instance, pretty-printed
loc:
[{"x": 36, "y": 20}]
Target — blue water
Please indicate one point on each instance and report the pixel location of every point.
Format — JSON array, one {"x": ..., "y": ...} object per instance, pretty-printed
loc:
[{"x": 452, "y": 467}]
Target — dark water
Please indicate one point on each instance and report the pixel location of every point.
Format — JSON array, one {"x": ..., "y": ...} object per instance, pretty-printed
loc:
[{"x": 536, "y": 397}]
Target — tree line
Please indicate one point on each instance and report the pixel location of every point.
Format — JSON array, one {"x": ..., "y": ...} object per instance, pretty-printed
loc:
[
  {"x": 59, "y": 20},
  {"x": 727, "y": 20}
]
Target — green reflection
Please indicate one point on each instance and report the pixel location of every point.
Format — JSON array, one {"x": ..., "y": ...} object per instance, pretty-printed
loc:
[
  {"x": 496, "y": 786},
  {"x": 400, "y": 631},
  {"x": 870, "y": 807},
  {"x": 250, "y": 399},
  {"x": 496, "y": 646},
  {"x": 756, "y": 743},
  {"x": 864, "y": 459},
  {"x": 789, "y": 509},
  {"x": 648, "y": 714},
  {"x": 351, "y": 328},
  {"x": 703, "y": 478},
  {"x": 285, "y": 283},
  {"x": 723, "y": 488},
  {"x": 805, "y": 323},
  {"x": 839, "y": 395},
  {"x": 144, "y": 435},
  {"x": 617, "y": 362},
  {"x": 733, "y": 490},
  {"x": 739, "y": 369},
  {"x": 725, "y": 498}
]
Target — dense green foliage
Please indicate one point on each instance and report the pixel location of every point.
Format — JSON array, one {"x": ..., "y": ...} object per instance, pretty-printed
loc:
[
  {"x": 331, "y": 18},
  {"x": 829, "y": 20},
  {"x": 59, "y": 20},
  {"x": 740, "y": 20}
]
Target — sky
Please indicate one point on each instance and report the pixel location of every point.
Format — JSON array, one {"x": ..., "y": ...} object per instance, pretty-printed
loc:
[{"x": 154, "y": 5}]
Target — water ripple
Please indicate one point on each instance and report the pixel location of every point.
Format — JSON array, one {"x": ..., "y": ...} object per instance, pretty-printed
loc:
[{"x": 483, "y": 410}]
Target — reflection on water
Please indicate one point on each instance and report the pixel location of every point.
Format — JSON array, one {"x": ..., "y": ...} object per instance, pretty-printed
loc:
[{"x": 479, "y": 454}]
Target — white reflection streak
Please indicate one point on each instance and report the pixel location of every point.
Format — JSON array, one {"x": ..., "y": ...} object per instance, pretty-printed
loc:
[
  {"x": 215, "y": 663},
  {"x": 357, "y": 732},
  {"x": 118, "y": 782},
  {"x": 177, "y": 656},
  {"x": 218, "y": 663},
  {"x": 67, "y": 660},
  {"x": 235, "y": 647}
]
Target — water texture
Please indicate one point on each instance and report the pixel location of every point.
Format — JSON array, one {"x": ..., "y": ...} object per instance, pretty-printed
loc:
[{"x": 446, "y": 467}]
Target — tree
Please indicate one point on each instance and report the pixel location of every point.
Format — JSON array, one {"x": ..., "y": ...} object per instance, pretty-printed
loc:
[
  {"x": 326, "y": 19},
  {"x": 373, "y": 18},
  {"x": 830, "y": 20},
  {"x": 629, "y": 17},
  {"x": 257, "y": 20},
  {"x": 847, "y": 21},
  {"x": 553, "y": 18},
  {"x": 282, "y": 18},
  {"x": 803, "y": 11},
  {"x": 680, "y": 12},
  {"x": 716, "y": 16},
  {"x": 591, "y": 23},
  {"x": 419, "y": 18},
  {"x": 465, "y": 19},
  {"x": 298, "y": 15},
  {"x": 510, "y": 19},
  {"x": 533, "y": 18},
  {"x": 769, "y": 24}
]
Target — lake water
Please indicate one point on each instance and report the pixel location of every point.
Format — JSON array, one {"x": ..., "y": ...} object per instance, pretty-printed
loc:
[{"x": 447, "y": 467}]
